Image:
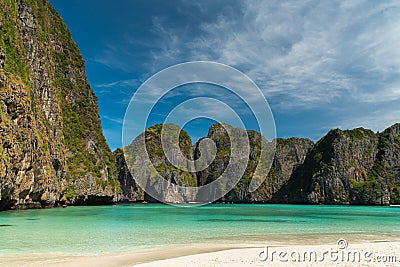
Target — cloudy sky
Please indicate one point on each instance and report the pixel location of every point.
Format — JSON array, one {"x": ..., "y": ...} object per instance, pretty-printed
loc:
[{"x": 320, "y": 64}]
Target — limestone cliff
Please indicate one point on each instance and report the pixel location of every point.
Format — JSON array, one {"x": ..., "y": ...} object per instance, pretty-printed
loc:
[
  {"x": 146, "y": 167},
  {"x": 130, "y": 190},
  {"x": 387, "y": 165},
  {"x": 344, "y": 167},
  {"x": 52, "y": 149},
  {"x": 348, "y": 167},
  {"x": 219, "y": 135},
  {"x": 289, "y": 154},
  {"x": 343, "y": 159}
]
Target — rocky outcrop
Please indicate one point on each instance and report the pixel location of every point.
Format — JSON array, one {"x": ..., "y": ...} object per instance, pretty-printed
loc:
[
  {"x": 52, "y": 150},
  {"x": 223, "y": 163},
  {"x": 156, "y": 166},
  {"x": 345, "y": 167},
  {"x": 348, "y": 167},
  {"x": 131, "y": 191},
  {"x": 383, "y": 181},
  {"x": 289, "y": 154}
]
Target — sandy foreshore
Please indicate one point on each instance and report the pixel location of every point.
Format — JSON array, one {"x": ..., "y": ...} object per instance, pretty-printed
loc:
[
  {"x": 359, "y": 254},
  {"x": 371, "y": 254}
]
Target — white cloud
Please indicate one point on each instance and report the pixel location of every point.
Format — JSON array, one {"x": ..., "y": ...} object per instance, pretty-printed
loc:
[
  {"x": 302, "y": 54},
  {"x": 114, "y": 120},
  {"x": 129, "y": 82},
  {"x": 336, "y": 62},
  {"x": 390, "y": 93},
  {"x": 377, "y": 120}
]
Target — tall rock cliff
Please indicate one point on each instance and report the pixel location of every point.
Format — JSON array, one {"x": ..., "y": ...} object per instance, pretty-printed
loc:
[
  {"x": 344, "y": 167},
  {"x": 52, "y": 149},
  {"x": 218, "y": 133},
  {"x": 386, "y": 168},
  {"x": 348, "y": 167},
  {"x": 148, "y": 167},
  {"x": 131, "y": 191},
  {"x": 289, "y": 154},
  {"x": 344, "y": 159}
]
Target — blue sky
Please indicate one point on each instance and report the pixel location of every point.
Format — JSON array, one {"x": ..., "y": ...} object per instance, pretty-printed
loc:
[{"x": 320, "y": 64}]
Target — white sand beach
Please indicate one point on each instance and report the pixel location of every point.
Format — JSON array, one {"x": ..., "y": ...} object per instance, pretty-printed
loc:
[{"x": 361, "y": 254}]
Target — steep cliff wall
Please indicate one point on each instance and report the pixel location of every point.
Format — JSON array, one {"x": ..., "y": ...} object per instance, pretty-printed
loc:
[
  {"x": 387, "y": 166},
  {"x": 130, "y": 190},
  {"x": 289, "y": 154},
  {"x": 344, "y": 159},
  {"x": 146, "y": 168},
  {"x": 52, "y": 149},
  {"x": 348, "y": 167},
  {"x": 344, "y": 167},
  {"x": 219, "y": 135}
]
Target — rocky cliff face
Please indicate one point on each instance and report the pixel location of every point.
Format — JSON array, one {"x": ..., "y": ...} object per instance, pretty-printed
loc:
[
  {"x": 224, "y": 151},
  {"x": 289, "y": 154},
  {"x": 130, "y": 190},
  {"x": 344, "y": 167},
  {"x": 341, "y": 161},
  {"x": 386, "y": 169},
  {"x": 148, "y": 167},
  {"x": 348, "y": 167},
  {"x": 52, "y": 149}
]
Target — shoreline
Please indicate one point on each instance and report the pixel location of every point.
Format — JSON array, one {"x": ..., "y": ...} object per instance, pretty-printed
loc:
[
  {"x": 224, "y": 236},
  {"x": 209, "y": 255},
  {"x": 184, "y": 205}
]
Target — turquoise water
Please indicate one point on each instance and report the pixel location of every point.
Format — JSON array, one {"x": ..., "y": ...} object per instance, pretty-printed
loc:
[{"x": 134, "y": 227}]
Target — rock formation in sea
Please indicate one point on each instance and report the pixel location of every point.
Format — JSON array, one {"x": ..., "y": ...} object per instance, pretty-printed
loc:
[
  {"x": 345, "y": 167},
  {"x": 348, "y": 167},
  {"x": 131, "y": 191},
  {"x": 147, "y": 167},
  {"x": 52, "y": 149},
  {"x": 289, "y": 154}
]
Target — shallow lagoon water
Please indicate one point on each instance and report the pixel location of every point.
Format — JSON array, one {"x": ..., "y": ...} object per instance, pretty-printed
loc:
[{"x": 100, "y": 229}]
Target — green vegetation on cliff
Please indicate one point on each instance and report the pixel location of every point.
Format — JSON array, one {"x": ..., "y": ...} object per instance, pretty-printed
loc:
[
  {"x": 344, "y": 167},
  {"x": 156, "y": 153},
  {"x": 10, "y": 43},
  {"x": 56, "y": 152}
]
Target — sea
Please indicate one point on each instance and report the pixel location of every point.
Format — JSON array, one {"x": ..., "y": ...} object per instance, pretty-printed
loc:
[{"x": 134, "y": 227}]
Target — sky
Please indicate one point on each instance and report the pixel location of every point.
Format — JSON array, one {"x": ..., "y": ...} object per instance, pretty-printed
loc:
[{"x": 319, "y": 64}]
